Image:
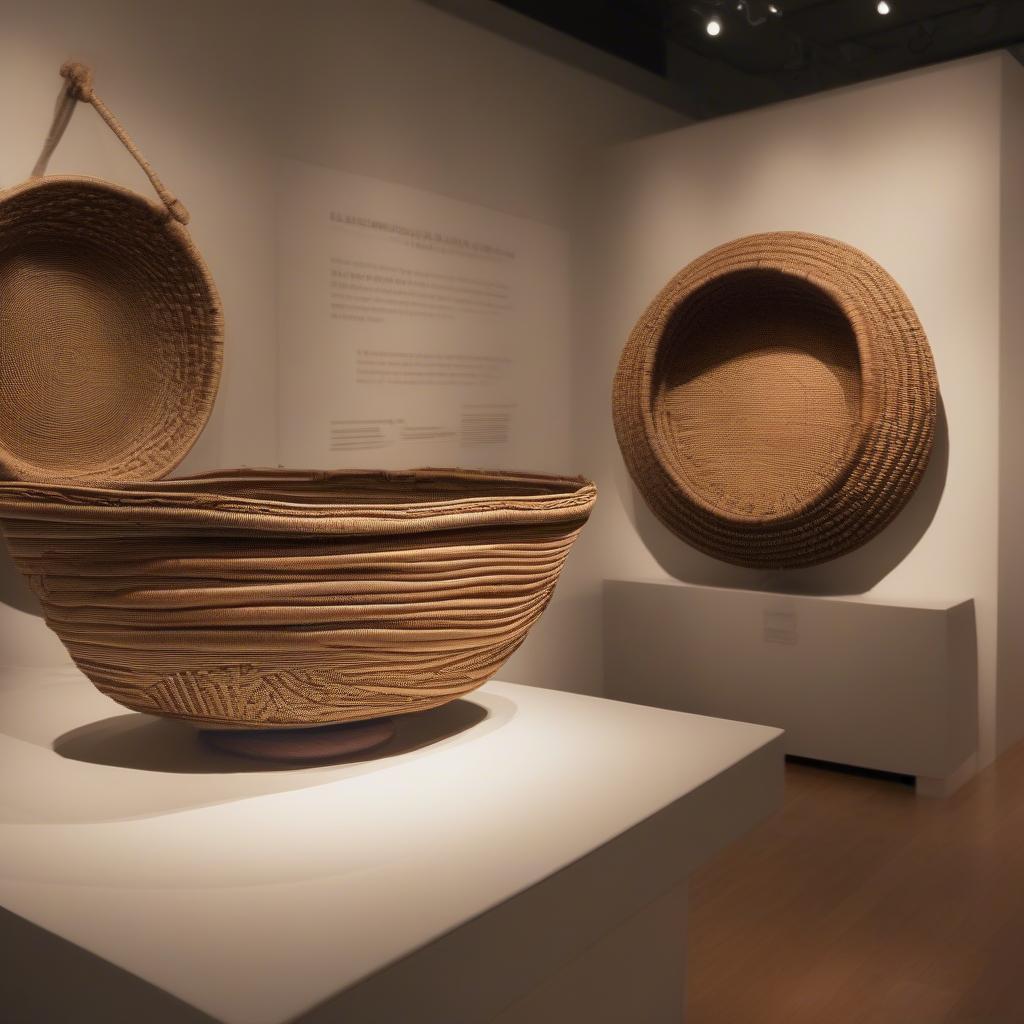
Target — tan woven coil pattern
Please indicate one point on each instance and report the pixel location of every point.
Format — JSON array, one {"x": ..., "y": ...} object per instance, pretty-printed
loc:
[
  {"x": 110, "y": 324},
  {"x": 775, "y": 404},
  {"x": 266, "y": 599}
]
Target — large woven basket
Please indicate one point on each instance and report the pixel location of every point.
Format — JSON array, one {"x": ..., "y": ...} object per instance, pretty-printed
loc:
[
  {"x": 110, "y": 324},
  {"x": 254, "y": 600},
  {"x": 775, "y": 404}
]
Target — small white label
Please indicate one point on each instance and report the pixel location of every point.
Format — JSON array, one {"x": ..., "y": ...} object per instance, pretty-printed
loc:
[{"x": 780, "y": 628}]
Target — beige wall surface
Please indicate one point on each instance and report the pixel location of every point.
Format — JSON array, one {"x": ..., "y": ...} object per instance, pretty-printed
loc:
[
  {"x": 216, "y": 93},
  {"x": 919, "y": 171},
  {"x": 909, "y": 170}
]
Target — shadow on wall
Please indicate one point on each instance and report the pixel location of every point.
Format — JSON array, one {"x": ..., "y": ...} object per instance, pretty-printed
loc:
[
  {"x": 14, "y": 591},
  {"x": 853, "y": 573}
]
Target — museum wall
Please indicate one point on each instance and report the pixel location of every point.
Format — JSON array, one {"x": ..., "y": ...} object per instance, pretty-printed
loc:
[
  {"x": 913, "y": 170},
  {"x": 440, "y": 118},
  {"x": 394, "y": 92}
]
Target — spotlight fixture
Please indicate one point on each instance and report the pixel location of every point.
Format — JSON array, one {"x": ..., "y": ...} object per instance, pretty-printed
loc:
[
  {"x": 883, "y": 7},
  {"x": 755, "y": 12}
]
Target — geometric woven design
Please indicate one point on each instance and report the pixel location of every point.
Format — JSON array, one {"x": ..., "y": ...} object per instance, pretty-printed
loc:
[
  {"x": 236, "y": 693},
  {"x": 263, "y": 599},
  {"x": 110, "y": 324},
  {"x": 776, "y": 402}
]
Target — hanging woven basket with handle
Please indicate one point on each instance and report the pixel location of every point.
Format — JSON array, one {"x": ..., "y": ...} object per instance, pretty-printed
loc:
[{"x": 110, "y": 324}]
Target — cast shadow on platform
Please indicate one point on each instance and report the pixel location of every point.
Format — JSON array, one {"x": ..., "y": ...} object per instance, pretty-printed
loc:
[{"x": 143, "y": 743}]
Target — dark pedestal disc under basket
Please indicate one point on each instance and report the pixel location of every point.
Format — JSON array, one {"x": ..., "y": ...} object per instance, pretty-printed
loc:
[{"x": 775, "y": 404}]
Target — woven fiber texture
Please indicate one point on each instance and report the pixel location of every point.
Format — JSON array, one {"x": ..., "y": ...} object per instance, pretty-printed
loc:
[
  {"x": 263, "y": 599},
  {"x": 110, "y": 324},
  {"x": 775, "y": 404}
]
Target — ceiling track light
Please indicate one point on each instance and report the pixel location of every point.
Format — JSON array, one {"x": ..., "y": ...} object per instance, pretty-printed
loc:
[
  {"x": 883, "y": 7},
  {"x": 753, "y": 17},
  {"x": 756, "y": 13}
]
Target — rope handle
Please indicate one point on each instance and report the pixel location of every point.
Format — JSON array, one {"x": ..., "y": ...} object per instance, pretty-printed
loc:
[{"x": 79, "y": 88}]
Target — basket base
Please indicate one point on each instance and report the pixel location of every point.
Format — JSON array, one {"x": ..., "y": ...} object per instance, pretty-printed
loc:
[{"x": 320, "y": 743}]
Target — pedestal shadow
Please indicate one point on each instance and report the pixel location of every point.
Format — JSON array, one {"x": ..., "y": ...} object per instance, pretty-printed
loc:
[{"x": 149, "y": 744}]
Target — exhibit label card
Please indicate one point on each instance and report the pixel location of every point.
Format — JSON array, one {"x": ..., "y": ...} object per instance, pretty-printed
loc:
[{"x": 418, "y": 330}]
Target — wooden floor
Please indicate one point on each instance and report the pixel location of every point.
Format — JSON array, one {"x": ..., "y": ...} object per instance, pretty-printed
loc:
[{"x": 860, "y": 903}]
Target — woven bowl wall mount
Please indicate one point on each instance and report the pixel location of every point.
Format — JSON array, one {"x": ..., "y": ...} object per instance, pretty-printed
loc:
[
  {"x": 776, "y": 402},
  {"x": 267, "y": 600},
  {"x": 110, "y": 323}
]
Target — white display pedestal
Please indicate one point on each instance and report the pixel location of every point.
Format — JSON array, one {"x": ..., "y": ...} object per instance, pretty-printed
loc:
[
  {"x": 519, "y": 856},
  {"x": 874, "y": 684}
]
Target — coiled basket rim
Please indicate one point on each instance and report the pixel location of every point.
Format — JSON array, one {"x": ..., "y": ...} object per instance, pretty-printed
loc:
[{"x": 437, "y": 499}]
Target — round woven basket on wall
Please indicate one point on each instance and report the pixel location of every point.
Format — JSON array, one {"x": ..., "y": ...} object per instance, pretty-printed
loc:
[
  {"x": 775, "y": 404},
  {"x": 110, "y": 324}
]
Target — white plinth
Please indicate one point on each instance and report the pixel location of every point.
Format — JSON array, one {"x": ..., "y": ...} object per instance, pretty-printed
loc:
[
  {"x": 515, "y": 854},
  {"x": 875, "y": 684}
]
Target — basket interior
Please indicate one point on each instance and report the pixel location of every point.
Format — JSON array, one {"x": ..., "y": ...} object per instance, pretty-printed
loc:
[
  {"x": 756, "y": 396},
  {"x": 362, "y": 487}
]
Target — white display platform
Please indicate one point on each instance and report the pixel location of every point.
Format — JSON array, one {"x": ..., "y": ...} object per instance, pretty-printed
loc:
[
  {"x": 876, "y": 684},
  {"x": 517, "y": 856}
]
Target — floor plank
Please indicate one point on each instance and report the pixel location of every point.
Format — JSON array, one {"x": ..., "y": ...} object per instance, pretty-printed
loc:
[{"x": 860, "y": 903}]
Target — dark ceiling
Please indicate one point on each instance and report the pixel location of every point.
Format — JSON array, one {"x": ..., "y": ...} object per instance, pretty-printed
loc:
[{"x": 760, "y": 57}]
